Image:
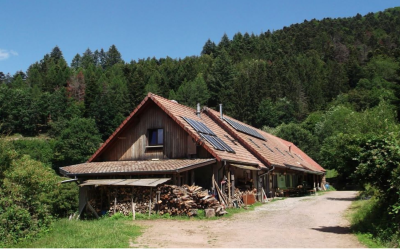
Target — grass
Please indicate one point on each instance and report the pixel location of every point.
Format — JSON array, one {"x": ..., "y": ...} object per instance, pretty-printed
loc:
[
  {"x": 102, "y": 233},
  {"x": 108, "y": 232},
  {"x": 371, "y": 224},
  {"x": 356, "y": 214}
]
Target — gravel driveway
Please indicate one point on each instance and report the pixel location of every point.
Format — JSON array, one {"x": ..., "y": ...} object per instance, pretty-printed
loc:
[{"x": 304, "y": 222}]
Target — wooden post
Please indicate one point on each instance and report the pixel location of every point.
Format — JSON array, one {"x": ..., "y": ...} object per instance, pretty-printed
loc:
[
  {"x": 115, "y": 202},
  {"x": 233, "y": 181},
  {"x": 151, "y": 189},
  {"x": 229, "y": 188},
  {"x": 101, "y": 199},
  {"x": 133, "y": 206},
  {"x": 212, "y": 180}
]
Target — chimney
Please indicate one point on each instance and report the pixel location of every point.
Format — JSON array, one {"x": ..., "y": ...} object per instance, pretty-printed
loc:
[
  {"x": 198, "y": 110},
  {"x": 290, "y": 148},
  {"x": 220, "y": 112}
]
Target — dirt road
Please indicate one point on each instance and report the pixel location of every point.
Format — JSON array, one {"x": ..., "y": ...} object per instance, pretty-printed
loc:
[{"x": 304, "y": 222}]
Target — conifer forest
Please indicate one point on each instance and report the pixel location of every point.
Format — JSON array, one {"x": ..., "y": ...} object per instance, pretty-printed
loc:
[{"x": 330, "y": 86}]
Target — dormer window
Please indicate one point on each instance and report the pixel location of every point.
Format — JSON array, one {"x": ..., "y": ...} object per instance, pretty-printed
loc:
[{"x": 156, "y": 137}]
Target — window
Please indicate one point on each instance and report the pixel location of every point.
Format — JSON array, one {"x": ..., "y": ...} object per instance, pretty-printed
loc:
[{"x": 156, "y": 137}]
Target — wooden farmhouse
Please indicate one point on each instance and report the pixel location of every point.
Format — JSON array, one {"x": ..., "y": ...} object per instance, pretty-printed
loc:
[{"x": 164, "y": 141}]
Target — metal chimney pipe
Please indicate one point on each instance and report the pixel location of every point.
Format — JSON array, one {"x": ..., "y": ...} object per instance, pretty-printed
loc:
[
  {"x": 198, "y": 110},
  {"x": 290, "y": 148},
  {"x": 220, "y": 112}
]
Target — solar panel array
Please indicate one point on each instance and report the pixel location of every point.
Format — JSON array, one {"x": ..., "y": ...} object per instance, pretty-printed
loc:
[
  {"x": 199, "y": 126},
  {"x": 208, "y": 135},
  {"x": 217, "y": 143},
  {"x": 244, "y": 129}
]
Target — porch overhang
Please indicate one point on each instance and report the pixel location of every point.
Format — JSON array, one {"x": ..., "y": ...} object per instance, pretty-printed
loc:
[{"x": 134, "y": 167}]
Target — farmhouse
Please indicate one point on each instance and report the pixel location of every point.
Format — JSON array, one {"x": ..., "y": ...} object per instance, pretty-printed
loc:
[{"x": 164, "y": 141}]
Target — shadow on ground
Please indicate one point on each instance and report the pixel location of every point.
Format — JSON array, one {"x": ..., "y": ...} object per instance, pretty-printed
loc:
[
  {"x": 335, "y": 230},
  {"x": 342, "y": 199}
]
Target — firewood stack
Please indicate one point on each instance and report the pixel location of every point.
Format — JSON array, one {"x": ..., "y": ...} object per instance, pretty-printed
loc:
[{"x": 174, "y": 200}]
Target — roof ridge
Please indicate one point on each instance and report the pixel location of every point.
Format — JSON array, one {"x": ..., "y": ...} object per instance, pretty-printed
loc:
[
  {"x": 241, "y": 122},
  {"x": 166, "y": 99}
]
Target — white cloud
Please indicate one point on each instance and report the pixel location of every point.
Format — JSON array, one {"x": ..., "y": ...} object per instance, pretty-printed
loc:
[{"x": 5, "y": 54}]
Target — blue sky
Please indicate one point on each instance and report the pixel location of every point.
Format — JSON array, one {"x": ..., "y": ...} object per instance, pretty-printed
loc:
[{"x": 140, "y": 29}]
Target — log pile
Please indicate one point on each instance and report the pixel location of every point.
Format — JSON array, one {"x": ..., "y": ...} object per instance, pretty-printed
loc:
[
  {"x": 174, "y": 200},
  {"x": 106, "y": 198}
]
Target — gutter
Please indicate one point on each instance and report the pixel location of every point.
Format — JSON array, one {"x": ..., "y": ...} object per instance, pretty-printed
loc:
[
  {"x": 270, "y": 170},
  {"x": 303, "y": 170},
  {"x": 240, "y": 162}
]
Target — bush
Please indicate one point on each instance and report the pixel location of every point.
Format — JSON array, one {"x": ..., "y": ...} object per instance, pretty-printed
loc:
[
  {"x": 39, "y": 150},
  {"x": 31, "y": 198},
  {"x": 374, "y": 224},
  {"x": 77, "y": 142}
]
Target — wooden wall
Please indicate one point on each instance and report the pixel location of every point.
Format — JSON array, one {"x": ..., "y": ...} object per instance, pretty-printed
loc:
[{"x": 131, "y": 143}]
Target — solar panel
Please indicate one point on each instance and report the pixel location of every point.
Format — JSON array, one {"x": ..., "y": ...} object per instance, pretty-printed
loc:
[
  {"x": 268, "y": 147},
  {"x": 199, "y": 126},
  {"x": 217, "y": 143},
  {"x": 208, "y": 135},
  {"x": 227, "y": 148},
  {"x": 244, "y": 129}
]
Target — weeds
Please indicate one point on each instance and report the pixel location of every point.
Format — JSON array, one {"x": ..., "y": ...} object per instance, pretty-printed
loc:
[
  {"x": 107, "y": 232},
  {"x": 372, "y": 223}
]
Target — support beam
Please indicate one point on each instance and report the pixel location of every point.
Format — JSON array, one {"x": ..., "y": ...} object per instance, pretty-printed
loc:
[
  {"x": 133, "y": 207},
  {"x": 92, "y": 209},
  {"x": 192, "y": 176},
  {"x": 151, "y": 189}
]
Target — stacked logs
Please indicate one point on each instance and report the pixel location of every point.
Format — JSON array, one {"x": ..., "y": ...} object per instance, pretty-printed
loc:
[
  {"x": 106, "y": 198},
  {"x": 172, "y": 199},
  {"x": 176, "y": 200}
]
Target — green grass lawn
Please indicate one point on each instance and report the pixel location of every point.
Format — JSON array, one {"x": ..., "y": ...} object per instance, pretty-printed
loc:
[
  {"x": 107, "y": 232},
  {"x": 103, "y": 233}
]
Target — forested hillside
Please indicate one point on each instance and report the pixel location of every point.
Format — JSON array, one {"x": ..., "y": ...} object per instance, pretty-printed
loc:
[{"x": 331, "y": 86}]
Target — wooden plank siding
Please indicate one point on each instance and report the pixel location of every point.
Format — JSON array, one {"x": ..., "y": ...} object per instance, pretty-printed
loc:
[{"x": 131, "y": 143}]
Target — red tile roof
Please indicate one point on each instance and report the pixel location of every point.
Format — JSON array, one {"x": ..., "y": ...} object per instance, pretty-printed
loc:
[
  {"x": 176, "y": 111},
  {"x": 134, "y": 167},
  {"x": 280, "y": 156},
  {"x": 253, "y": 152}
]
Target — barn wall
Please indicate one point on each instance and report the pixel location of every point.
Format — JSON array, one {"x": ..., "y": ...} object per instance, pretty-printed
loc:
[{"x": 131, "y": 143}]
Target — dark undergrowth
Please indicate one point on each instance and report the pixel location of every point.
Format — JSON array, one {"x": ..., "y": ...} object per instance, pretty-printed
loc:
[{"x": 373, "y": 223}]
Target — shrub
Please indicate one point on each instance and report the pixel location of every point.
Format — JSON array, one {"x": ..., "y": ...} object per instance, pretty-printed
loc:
[{"x": 31, "y": 198}]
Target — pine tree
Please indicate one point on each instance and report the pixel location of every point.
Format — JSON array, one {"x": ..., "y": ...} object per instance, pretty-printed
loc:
[
  {"x": 76, "y": 62},
  {"x": 56, "y": 54},
  {"x": 87, "y": 59},
  {"x": 209, "y": 48},
  {"x": 113, "y": 57},
  {"x": 220, "y": 81}
]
